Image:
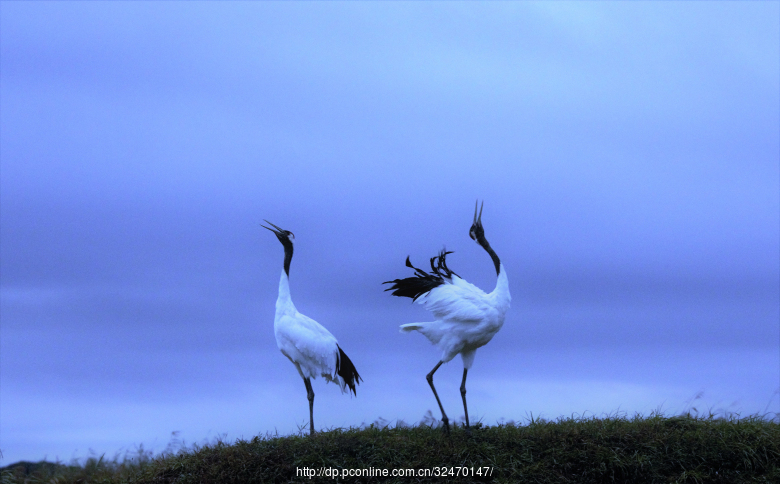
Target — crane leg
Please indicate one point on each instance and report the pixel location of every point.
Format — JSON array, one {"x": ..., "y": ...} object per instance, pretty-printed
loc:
[
  {"x": 310, "y": 396},
  {"x": 430, "y": 382},
  {"x": 463, "y": 395}
]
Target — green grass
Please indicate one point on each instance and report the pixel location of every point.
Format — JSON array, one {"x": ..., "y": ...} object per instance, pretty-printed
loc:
[{"x": 577, "y": 450}]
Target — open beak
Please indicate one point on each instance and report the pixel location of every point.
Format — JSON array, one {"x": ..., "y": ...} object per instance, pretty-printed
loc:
[
  {"x": 278, "y": 230},
  {"x": 477, "y": 218}
]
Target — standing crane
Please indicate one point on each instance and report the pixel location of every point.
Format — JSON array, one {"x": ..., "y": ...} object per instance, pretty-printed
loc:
[
  {"x": 466, "y": 318},
  {"x": 312, "y": 349}
]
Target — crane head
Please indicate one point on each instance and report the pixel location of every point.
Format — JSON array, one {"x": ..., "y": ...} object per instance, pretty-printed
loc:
[
  {"x": 284, "y": 236},
  {"x": 477, "y": 232}
]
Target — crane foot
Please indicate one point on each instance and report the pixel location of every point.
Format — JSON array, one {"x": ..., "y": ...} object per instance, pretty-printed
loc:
[{"x": 446, "y": 423}]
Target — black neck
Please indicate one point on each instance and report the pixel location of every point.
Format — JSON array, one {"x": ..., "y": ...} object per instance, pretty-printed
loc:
[
  {"x": 485, "y": 245},
  {"x": 288, "y": 252}
]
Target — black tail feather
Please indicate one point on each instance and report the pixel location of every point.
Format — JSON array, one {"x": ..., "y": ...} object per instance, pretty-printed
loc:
[
  {"x": 346, "y": 370},
  {"x": 422, "y": 282}
]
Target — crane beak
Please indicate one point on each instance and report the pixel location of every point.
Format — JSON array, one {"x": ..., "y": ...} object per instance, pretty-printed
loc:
[
  {"x": 478, "y": 218},
  {"x": 277, "y": 231}
]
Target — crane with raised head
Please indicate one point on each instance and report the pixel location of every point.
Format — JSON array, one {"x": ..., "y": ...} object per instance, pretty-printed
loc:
[
  {"x": 465, "y": 317},
  {"x": 306, "y": 343}
]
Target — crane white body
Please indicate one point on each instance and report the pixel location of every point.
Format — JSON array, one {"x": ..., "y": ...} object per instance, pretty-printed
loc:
[
  {"x": 467, "y": 317},
  {"x": 310, "y": 347},
  {"x": 306, "y": 343}
]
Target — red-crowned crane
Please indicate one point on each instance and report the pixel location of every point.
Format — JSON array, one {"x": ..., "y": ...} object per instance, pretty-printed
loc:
[
  {"x": 466, "y": 318},
  {"x": 311, "y": 348}
]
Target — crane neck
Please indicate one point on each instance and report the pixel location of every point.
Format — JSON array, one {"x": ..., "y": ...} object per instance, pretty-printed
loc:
[
  {"x": 284, "y": 301},
  {"x": 284, "y": 286},
  {"x": 485, "y": 245},
  {"x": 288, "y": 253},
  {"x": 501, "y": 292}
]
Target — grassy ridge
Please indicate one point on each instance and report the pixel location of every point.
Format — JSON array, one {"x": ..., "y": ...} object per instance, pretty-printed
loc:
[{"x": 615, "y": 449}]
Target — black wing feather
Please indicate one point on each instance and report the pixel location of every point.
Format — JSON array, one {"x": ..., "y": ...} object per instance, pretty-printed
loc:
[
  {"x": 346, "y": 370},
  {"x": 422, "y": 282}
]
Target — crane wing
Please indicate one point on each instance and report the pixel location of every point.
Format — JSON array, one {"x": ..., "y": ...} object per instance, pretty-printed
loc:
[
  {"x": 307, "y": 343},
  {"x": 457, "y": 300}
]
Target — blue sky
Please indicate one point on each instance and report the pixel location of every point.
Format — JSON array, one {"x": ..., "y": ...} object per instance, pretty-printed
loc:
[{"x": 628, "y": 153}]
